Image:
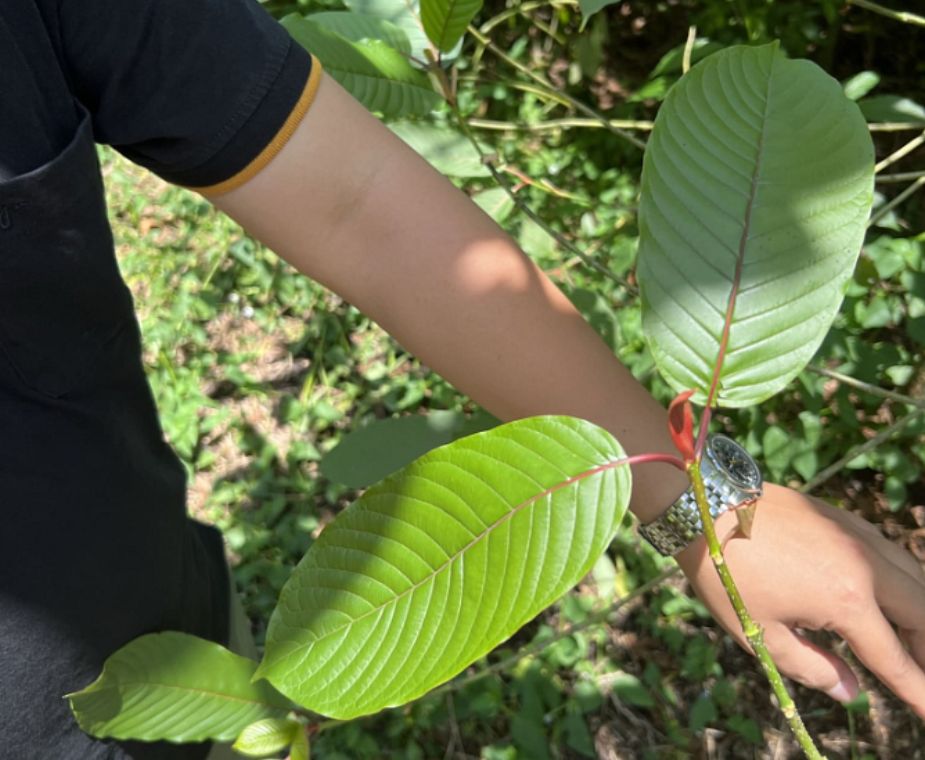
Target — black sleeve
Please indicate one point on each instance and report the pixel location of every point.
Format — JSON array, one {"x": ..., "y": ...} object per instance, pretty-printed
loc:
[{"x": 203, "y": 92}]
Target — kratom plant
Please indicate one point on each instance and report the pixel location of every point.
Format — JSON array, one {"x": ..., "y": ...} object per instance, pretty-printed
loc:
[{"x": 756, "y": 188}]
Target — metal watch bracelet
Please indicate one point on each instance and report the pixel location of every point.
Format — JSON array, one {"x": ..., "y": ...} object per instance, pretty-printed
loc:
[{"x": 731, "y": 478}]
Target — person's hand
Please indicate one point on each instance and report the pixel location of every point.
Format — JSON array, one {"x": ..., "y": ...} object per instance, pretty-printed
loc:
[{"x": 812, "y": 566}]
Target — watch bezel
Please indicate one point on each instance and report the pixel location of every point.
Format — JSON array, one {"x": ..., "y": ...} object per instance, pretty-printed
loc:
[{"x": 750, "y": 486}]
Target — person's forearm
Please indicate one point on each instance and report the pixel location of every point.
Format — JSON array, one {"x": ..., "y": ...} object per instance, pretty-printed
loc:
[{"x": 351, "y": 206}]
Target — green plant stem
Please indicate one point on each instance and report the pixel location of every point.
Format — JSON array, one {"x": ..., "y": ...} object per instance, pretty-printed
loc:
[
  {"x": 881, "y": 437},
  {"x": 525, "y": 209},
  {"x": 522, "y": 8},
  {"x": 888, "y": 207},
  {"x": 548, "y": 30},
  {"x": 874, "y": 390},
  {"x": 556, "y": 124},
  {"x": 688, "y": 49},
  {"x": 753, "y": 632},
  {"x": 325, "y": 725},
  {"x": 593, "y": 619},
  {"x": 642, "y": 125},
  {"x": 577, "y": 104},
  {"x": 894, "y": 126},
  {"x": 903, "y": 16},
  {"x": 899, "y": 153},
  {"x": 900, "y": 176}
]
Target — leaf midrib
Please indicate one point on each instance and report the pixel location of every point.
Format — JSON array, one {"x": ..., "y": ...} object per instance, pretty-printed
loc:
[
  {"x": 193, "y": 689},
  {"x": 476, "y": 539},
  {"x": 441, "y": 37},
  {"x": 743, "y": 244}
]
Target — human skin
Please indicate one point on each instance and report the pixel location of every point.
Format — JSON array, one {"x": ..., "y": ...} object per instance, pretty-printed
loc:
[{"x": 351, "y": 206}]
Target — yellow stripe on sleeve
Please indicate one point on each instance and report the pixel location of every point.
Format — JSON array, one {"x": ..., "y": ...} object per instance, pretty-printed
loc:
[{"x": 276, "y": 144}]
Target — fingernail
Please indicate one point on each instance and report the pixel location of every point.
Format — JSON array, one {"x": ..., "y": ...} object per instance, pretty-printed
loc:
[{"x": 841, "y": 692}]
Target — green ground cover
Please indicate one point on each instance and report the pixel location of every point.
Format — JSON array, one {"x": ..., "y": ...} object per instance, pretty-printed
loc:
[{"x": 259, "y": 373}]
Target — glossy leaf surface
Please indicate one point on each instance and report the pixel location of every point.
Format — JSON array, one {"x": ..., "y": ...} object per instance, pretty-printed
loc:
[
  {"x": 376, "y": 74},
  {"x": 266, "y": 737},
  {"x": 437, "y": 565},
  {"x": 405, "y": 14},
  {"x": 445, "y": 21},
  {"x": 176, "y": 687},
  {"x": 757, "y": 184},
  {"x": 358, "y": 27}
]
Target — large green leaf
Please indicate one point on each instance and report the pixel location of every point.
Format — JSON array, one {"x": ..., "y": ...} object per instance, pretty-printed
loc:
[
  {"x": 358, "y": 27},
  {"x": 405, "y": 14},
  {"x": 370, "y": 453},
  {"x": 892, "y": 108},
  {"x": 445, "y": 21},
  {"x": 757, "y": 184},
  {"x": 590, "y": 7},
  {"x": 440, "y": 563},
  {"x": 375, "y": 73},
  {"x": 448, "y": 151},
  {"x": 176, "y": 687}
]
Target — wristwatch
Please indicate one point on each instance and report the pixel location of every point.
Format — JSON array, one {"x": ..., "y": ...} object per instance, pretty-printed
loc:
[{"x": 731, "y": 479}]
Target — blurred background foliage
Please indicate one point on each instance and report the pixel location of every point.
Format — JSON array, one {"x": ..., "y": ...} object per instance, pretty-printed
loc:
[{"x": 259, "y": 374}]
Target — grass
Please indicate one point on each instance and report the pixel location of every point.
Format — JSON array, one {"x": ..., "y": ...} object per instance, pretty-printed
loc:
[{"x": 258, "y": 373}]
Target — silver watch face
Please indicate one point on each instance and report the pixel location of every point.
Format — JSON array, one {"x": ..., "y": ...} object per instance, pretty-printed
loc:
[{"x": 735, "y": 462}]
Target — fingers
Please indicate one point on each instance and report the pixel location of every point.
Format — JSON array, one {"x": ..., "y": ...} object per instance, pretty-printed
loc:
[
  {"x": 901, "y": 596},
  {"x": 874, "y": 642},
  {"x": 886, "y": 549},
  {"x": 915, "y": 641},
  {"x": 798, "y": 658}
]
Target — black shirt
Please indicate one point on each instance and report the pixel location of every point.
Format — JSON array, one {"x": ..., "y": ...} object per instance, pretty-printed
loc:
[{"x": 95, "y": 545}]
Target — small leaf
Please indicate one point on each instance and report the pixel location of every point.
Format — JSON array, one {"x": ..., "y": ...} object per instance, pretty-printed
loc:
[
  {"x": 266, "y": 737},
  {"x": 406, "y": 15},
  {"x": 590, "y": 7},
  {"x": 577, "y": 735},
  {"x": 176, "y": 687},
  {"x": 628, "y": 688},
  {"x": 888, "y": 255},
  {"x": 605, "y": 577},
  {"x": 357, "y": 27},
  {"x": 448, "y": 151},
  {"x": 900, "y": 374},
  {"x": 529, "y": 737},
  {"x": 860, "y": 84},
  {"x": 746, "y": 728},
  {"x": 681, "y": 425},
  {"x": 376, "y": 74},
  {"x": 441, "y": 562},
  {"x": 445, "y": 21},
  {"x": 860, "y": 705},
  {"x": 806, "y": 463},
  {"x": 597, "y": 311},
  {"x": 777, "y": 450},
  {"x": 703, "y": 713},
  {"x": 496, "y": 202},
  {"x": 301, "y": 749}
]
